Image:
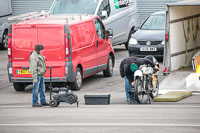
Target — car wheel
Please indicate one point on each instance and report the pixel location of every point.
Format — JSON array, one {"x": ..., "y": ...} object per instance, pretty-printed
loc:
[
  {"x": 19, "y": 86},
  {"x": 76, "y": 85},
  {"x": 109, "y": 70},
  {"x": 4, "y": 43},
  {"x": 129, "y": 36}
]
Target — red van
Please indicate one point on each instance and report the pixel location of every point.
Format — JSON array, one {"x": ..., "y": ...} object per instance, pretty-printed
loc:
[{"x": 76, "y": 46}]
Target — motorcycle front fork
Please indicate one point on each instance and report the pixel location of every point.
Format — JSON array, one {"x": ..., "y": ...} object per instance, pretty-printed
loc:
[
  {"x": 147, "y": 85},
  {"x": 146, "y": 90}
]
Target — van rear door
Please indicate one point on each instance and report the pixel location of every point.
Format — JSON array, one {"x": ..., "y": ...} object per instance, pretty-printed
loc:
[
  {"x": 52, "y": 37},
  {"x": 26, "y": 36}
]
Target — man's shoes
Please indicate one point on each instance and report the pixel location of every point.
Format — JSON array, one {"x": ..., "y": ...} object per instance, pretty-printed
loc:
[
  {"x": 36, "y": 105},
  {"x": 45, "y": 104},
  {"x": 131, "y": 91},
  {"x": 132, "y": 101}
]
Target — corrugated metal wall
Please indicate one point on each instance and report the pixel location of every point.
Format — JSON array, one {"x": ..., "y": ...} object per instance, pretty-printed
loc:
[
  {"x": 146, "y": 7},
  {"x": 25, "y": 6}
]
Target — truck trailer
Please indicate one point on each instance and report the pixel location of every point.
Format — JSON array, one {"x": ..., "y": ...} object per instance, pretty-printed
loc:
[{"x": 182, "y": 34}]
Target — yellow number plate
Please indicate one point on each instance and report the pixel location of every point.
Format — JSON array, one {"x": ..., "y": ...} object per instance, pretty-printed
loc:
[{"x": 23, "y": 71}]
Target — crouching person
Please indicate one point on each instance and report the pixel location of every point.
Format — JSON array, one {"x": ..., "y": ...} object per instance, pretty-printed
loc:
[
  {"x": 37, "y": 68},
  {"x": 128, "y": 67}
]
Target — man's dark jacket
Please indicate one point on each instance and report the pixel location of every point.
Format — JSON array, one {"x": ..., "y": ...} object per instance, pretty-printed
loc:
[{"x": 125, "y": 66}]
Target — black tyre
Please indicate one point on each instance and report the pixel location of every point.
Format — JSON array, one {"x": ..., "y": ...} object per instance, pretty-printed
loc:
[
  {"x": 4, "y": 43},
  {"x": 72, "y": 98},
  {"x": 53, "y": 103},
  {"x": 138, "y": 91},
  {"x": 78, "y": 80},
  {"x": 155, "y": 90},
  {"x": 129, "y": 36},
  {"x": 19, "y": 86},
  {"x": 109, "y": 70}
]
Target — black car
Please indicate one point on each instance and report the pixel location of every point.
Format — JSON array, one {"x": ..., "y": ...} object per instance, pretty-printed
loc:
[{"x": 149, "y": 38}]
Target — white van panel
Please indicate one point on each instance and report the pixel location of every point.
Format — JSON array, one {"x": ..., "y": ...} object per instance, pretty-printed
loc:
[
  {"x": 5, "y": 12},
  {"x": 121, "y": 20},
  {"x": 122, "y": 14},
  {"x": 5, "y": 8}
]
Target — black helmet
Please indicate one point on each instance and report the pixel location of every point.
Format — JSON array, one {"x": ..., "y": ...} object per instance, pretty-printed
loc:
[{"x": 151, "y": 58}]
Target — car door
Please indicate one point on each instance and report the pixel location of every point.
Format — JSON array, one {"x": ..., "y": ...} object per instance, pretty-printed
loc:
[{"x": 102, "y": 44}]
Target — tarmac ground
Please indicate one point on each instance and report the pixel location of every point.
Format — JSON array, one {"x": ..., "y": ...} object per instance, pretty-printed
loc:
[{"x": 17, "y": 114}]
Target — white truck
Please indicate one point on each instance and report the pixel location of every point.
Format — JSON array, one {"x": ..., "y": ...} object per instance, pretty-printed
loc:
[{"x": 182, "y": 39}]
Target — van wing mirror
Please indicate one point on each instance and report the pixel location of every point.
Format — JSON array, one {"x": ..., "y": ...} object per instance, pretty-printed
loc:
[
  {"x": 109, "y": 33},
  {"x": 104, "y": 14},
  {"x": 136, "y": 28}
]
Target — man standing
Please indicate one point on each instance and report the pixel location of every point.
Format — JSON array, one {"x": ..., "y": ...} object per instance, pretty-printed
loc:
[
  {"x": 127, "y": 68},
  {"x": 38, "y": 69}
]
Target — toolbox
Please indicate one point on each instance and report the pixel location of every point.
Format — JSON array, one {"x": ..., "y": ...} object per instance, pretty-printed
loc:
[{"x": 97, "y": 99}]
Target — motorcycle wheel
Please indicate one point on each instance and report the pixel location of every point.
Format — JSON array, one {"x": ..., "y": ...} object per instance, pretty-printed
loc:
[
  {"x": 138, "y": 91},
  {"x": 155, "y": 90}
]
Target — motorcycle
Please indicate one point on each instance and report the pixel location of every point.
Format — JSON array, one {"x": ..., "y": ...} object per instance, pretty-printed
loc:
[{"x": 146, "y": 85}]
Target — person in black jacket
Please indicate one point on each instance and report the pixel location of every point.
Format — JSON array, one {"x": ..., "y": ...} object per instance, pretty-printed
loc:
[{"x": 127, "y": 68}]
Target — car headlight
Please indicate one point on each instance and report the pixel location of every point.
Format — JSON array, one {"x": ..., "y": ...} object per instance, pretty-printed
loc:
[
  {"x": 132, "y": 41},
  {"x": 163, "y": 42}
]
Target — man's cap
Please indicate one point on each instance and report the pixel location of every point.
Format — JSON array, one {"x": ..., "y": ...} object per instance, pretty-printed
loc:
[
  {"x": 39, "y": 47},
  {"x": 133, "y": 67}
]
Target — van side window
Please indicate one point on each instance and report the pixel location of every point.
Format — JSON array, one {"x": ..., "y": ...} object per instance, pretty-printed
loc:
[
  {"x": 105, "y": 6},
  {"x": 99, "y": 28}
]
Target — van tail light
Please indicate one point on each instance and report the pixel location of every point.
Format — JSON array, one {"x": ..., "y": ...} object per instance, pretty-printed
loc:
[
  {"x": 9, "y": 47},
  {"x": 67, "y": 50},
  {"x": 167, "y": 37},
  {"x": 165, "y": 69}
]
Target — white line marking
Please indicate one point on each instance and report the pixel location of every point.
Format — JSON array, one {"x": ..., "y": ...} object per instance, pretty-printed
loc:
[
  {"x": 103, "y": 124},
  {"x": 156, "y": 105}
]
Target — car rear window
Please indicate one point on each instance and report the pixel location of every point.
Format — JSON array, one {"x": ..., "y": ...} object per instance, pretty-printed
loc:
[{"x": 154, "y": 22}]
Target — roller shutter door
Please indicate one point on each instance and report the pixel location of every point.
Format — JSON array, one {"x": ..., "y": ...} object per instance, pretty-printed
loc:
[
  {"x": 25, "y": 6},
  {"x": 146, "y": 7}
]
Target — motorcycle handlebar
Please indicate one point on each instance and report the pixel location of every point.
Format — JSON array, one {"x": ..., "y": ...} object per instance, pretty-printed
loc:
[{"x": 155, "y": 70}]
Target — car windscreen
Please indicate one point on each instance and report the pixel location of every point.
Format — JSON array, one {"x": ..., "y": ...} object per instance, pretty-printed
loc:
[
  {"x": 154, "y": 22},
  {"x": 74, "y": 7}
]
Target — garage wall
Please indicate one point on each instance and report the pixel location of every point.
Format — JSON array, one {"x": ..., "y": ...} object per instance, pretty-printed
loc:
[
  {"x": 25, "y": 6},
  {"x": 146, "y": 7}
]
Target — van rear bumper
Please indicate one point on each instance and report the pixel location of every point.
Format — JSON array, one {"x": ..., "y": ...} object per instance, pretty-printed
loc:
[
  {"x": 30, "y": 80},
  {"x": 69, "y": 76}
]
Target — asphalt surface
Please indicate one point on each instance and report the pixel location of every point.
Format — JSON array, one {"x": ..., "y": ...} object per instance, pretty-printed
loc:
[{"x": 17, "y": 115}]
